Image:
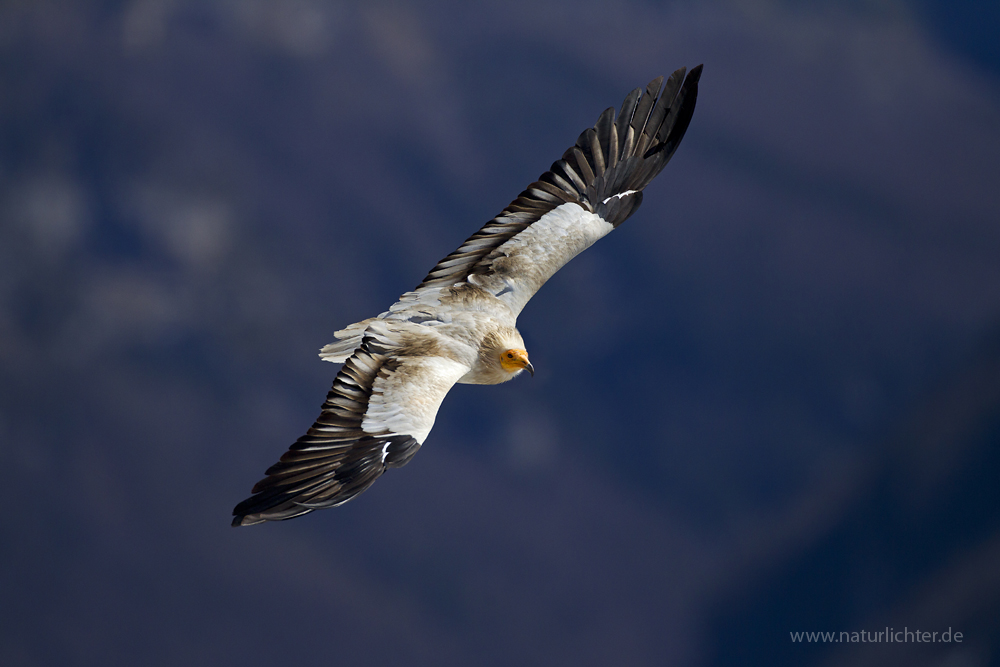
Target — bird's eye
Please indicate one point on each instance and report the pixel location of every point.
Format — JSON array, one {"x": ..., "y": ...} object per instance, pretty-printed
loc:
[{"x": 510, "y": 356}]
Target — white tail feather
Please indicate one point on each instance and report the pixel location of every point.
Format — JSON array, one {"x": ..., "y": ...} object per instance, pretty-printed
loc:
[{"x": 348, "y": 340}]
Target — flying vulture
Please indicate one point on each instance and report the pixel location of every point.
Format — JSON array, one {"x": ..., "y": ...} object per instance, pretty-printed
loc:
[{"x": 458, "y": 325}]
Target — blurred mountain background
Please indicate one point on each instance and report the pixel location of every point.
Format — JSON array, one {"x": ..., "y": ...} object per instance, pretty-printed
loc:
[{"x": 769, "y": 403}]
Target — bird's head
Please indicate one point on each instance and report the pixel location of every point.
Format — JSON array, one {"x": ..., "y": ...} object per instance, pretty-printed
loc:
[
  {"x": 502, "y": 355},
  {"x": 514, "y": 360}
]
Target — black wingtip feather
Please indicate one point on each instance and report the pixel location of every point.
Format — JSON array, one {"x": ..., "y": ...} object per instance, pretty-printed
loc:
[{"x": 625, "y": 117}]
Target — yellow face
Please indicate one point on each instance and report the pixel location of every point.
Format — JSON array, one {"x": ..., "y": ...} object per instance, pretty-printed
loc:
[{"x": 514, "y": 360}]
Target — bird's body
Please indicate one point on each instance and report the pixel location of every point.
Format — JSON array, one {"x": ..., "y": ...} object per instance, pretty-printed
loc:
[{"x": 459, "y": 324}]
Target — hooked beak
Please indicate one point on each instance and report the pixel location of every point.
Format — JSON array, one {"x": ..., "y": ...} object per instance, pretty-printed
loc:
[{"x": 515, "y": 360}]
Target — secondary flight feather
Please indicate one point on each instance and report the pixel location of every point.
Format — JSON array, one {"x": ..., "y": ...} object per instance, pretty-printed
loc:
[{"x": 459, "y": 324}]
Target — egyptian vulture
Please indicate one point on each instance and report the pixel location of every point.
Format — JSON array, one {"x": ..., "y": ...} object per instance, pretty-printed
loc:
[{"x": 458, "y": 325}]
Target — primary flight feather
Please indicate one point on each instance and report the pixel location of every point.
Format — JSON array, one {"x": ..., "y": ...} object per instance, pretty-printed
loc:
[{"x": 458, "y": 325}]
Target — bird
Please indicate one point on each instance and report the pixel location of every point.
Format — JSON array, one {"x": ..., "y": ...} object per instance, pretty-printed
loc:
[{"x": 459, "y": 324}]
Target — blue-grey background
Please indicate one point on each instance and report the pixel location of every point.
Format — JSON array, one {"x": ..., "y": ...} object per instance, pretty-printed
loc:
[{"x": 770, "y": 402}]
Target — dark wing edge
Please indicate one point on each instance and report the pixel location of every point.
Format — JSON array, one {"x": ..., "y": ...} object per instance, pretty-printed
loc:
[
  {"x": 604, "y": 172},
  {"x": 335, "y": 460}
]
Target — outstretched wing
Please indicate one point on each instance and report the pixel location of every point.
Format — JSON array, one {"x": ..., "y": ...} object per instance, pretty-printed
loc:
[
  {"x": 594, "y": 188},
  {"x": 376, "y": 416}
]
